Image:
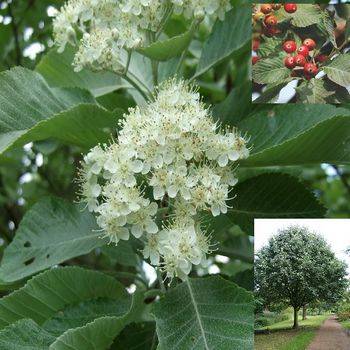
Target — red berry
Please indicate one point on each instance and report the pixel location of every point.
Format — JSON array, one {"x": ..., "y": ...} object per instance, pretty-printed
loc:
[
  {"x": 270, "y": 20},
  {"x": 289, "y": 46},
  {"x": 290, "y": 8},
  {"x": 289, "y": 62},
  {"x": 303, "y": 50},
  {"x": 310, "y": 69},
  {"x": 307, "y": 76},
  {"x": 266, "y": 8},
  {"x": 255, "y": 44},
  {"x": 255, "y": 59},
  {"x": 299, "y": 60},
  {"x": 321, "y": 58},
  {"x": 309, "y": 43},
  {"x": 276, "y": 6}
]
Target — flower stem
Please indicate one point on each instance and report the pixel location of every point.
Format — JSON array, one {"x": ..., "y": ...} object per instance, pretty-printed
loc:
[
  {"x": 160, "y": 280},
  {"x": 165, "y": 18},
  {"x": 136, "y": 86},
  {"x": 193, "y": 28},
  {"x": 127, "y": 63}
]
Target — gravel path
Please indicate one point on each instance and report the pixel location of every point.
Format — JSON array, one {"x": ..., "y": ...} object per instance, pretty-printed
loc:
[{"x": 331, "y": 336}]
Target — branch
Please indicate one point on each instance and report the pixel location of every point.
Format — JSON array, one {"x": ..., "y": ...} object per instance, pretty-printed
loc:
[
  {"x": 15, "y": 32},
  {"x": 29, "y": 5}
]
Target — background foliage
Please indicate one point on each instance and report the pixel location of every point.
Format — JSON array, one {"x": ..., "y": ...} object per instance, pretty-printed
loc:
[{"x": 298, "y": 168}]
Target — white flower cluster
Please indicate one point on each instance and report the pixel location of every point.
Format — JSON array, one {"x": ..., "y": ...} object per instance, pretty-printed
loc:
[
  {"x": 108, "y": 26},
  {"x": 201, "y": 8},
  {"x": 170, "y": 164}
]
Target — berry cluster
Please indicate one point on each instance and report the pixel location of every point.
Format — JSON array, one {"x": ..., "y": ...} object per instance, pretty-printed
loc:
[
  {"x": 298, "y": 58},
  {"x": 302, "y": 57},
  {"x": 266, "y": 16}
]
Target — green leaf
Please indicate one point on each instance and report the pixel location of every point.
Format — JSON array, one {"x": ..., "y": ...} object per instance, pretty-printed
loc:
[
  {"x": 136, "y": 336},
  {"x": 122, "y": 254},
  {"x": 236, "y": 106},
  {"x": 339, "y": 70},
  {"x": 272, "y": 195},
  {"x": 98, "y": 334},
  {"x": 163, "y": 50},
  {"x": 270, "y": 70},
  {"x": 41, "y": 112},
  {"x": 313, "y": 91},
  {"x": 51, "y": 232},
  {"x": 75, "y": 316},
  {"x": 298, "y": 134},
  {"x": 25, "y": 335},
  {"x": 244, "y": 279},
  {"x": 84, "y": 125},
  {"x": 47, "y": 293},
  {"x": 235, "y": 246},
  {"x": 327, "y": 25},
  {"x": 205, "y": 313},
  {"x": 58, "y": 71},
  {"x": 268, "y": 46},
  {"x": 226, "y": 38},
  {"x": 306, "y": 15}
]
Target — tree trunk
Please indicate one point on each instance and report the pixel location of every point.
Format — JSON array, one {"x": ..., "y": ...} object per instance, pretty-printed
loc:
[
  {"x": 304, "y": 312},
  {"x": 295, "y": 325}
]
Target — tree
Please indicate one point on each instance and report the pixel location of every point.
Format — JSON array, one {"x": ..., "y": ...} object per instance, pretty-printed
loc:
[{"x": 298, "y": 266}]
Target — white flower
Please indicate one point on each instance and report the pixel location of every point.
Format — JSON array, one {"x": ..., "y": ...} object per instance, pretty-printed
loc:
[
  {"x": 170, "y": 163},
  {"x": 216, "y": 198},
  {"x": 109, "y": 26},
  {"x": 181, "y": 246},
  {"x": 151, "y": 249},
  {"x": 200, "y": 8},
  {"x": 142, "y": 220},
  {"x": 114, "y": 227}
]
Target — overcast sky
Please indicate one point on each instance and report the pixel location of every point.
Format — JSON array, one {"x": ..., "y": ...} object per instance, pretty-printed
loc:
[{"x": 335, "y": 231}]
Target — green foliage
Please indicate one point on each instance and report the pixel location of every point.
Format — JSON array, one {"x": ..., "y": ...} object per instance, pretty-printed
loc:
[
  {"x": 25, "y": 334},
  {"x": 42, "y": 240},
  {"x": 252, "y": 201},
  {"x": 51, "y": 291},
  {"x": 29, "y": 119},
  {"x": 166, "y": 49},
  {"x": 297, "y": 135},
  {"x": 298, "y": 266},
  {"x": 234, "y": 30},
  {"x": 98, "y": 334},
  {"x": 138, "y": 336},
  {"x": 200, "y": 313},
  {"x": 58, "y": 71},
  {"x": 344, "y": 312},
  {"x": 270, "y": 70},
  {"x": 339, "y": 70}
]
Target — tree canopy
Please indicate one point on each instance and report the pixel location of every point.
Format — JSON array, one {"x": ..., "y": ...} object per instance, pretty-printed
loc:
[{"x": 298, "y": 267}]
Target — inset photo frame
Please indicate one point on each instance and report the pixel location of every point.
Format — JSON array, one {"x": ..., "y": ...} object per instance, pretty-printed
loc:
[
  {"x": 300, "y": 53},
  {"x": 301, "y": 284}
]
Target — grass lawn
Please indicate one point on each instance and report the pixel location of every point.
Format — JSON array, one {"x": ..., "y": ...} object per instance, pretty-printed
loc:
[
  {"x": 311, "y": 321},
  {"x": 282, "y": 337},
  {"x": 345, "y": 324}
]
